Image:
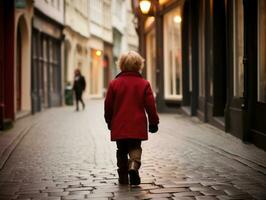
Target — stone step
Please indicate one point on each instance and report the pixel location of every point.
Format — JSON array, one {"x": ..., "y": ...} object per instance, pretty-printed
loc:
[{"x": 7, "y": 124}]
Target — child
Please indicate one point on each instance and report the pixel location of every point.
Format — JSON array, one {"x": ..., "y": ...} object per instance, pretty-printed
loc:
[{"x": 127, "y": 99}]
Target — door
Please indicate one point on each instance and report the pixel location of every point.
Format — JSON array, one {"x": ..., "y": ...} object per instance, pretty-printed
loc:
[
  {"x": 219, "y": 60},
  {"x": 18, "y": 70},
  {"x": 44, "y": 73},
  {"x": 186, "y": 57},
  {"x": 258, "y": 126}
]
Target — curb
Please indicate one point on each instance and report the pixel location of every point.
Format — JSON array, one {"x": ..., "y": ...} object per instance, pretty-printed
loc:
[{"x": 12, "y": 146}]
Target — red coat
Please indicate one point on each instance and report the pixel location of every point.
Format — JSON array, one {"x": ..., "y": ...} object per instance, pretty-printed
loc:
[{"x": 127, "y": 99}]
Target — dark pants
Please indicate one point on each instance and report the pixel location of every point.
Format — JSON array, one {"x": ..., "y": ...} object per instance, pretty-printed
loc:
[
  {"x": 131, "y": 148},
  {"x": 79, "y": 98}
]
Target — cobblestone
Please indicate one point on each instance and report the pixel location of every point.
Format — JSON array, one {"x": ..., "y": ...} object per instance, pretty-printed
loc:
[{"x": 67, "y": 155}]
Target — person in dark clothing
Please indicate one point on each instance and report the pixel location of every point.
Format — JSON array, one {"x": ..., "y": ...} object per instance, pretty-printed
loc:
[{"x": 79, "y": 87}]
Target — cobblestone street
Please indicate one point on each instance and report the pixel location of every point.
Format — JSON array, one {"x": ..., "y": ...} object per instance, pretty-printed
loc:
[{"x": 68, "y": 155}]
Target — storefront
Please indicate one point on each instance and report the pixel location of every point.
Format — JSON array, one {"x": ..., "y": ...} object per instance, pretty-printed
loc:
[
  {"x": 212, "y": 64},
  {"x": 248, "y": 103},
  {"x": 46, "y": 63},
  {"x": 212, "y": 73}
]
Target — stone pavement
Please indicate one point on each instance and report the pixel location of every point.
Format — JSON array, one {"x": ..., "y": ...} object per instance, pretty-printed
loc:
[{"x": 67, "y": 155}]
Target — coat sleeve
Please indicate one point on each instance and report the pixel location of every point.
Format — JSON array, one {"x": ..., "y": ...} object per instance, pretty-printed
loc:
[
  {"x": 150, "y": 106},
  {"x": 108, "y": 104}
]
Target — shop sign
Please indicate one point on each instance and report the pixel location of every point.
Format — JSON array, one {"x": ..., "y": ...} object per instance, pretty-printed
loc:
[{"x": 20, "y": 4}]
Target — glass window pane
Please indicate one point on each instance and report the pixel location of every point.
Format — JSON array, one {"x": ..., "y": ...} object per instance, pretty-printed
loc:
[
  {"x": 150, "y": 59},
  {"x": 202, "y": 50},
  {"x": 238, "y": 48},
  {"x": 173, "y": 53},
  {"x": 94, "y": 73},
  {"x": 262, "y": 51}
]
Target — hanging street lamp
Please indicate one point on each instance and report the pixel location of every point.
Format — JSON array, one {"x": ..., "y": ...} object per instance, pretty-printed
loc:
[{"x": 145, "y": 6}]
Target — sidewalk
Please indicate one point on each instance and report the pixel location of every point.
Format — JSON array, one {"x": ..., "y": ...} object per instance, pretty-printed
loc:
[
  {"x": 10, "y": 139},
  {"x": 217, "y": 140}
]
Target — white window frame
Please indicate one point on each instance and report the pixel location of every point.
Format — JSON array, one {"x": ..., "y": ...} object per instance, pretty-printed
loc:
[
  {"x": 151, "y": 70},
  {"x": 167, "y": 88}
]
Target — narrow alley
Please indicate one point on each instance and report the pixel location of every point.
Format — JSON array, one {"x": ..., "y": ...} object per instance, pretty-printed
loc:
[{"x": 68, "y": 155}]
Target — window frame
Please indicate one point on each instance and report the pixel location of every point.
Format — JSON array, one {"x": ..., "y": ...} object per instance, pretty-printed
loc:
[
  {"x": 168, "y": 94},
  {"x": 236, "y": 75}
]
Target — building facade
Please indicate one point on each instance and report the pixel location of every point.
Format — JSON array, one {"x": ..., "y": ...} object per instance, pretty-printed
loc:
[
  {"x": 76, "y": 33},
  {"x": 15, "y": 45},
  {"x": 111, "y": 33},
  {"x": 108, "y": 43},
  {"x": 47, "y": 54},
  {"x": 206, "y": 58},
  {"x": 96, "y": 48},
  {"x": 131, "y": 37},
  {"x": 125, "y": 37}
]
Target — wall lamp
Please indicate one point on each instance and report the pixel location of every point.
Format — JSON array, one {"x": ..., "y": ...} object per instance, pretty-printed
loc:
[
  {"x": 145, "y": 6},
  {"x": 149, "y": 7}
]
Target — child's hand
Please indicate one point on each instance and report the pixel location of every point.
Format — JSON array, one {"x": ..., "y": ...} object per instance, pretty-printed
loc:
[{"x": 153, "y": 128}]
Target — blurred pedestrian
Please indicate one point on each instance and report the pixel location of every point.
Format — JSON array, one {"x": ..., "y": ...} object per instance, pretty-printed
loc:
[
  {"x": 79, "y": 87},
  {"x": 128, "y": 97}
]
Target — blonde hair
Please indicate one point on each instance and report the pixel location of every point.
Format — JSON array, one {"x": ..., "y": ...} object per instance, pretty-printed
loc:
[{"x": 131, "y": 61}]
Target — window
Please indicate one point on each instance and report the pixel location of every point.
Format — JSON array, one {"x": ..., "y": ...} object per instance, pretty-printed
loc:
[
  {"x": 44, "y": 73},
  {"x": 173, "y": 54},
  {"x": 96, "y": 11},
  {"x": 150, "y": 62},
  {"x": 238, "y": 48},
  {"x": 118, "y": 8},
  {"x": 262, "y": 51},
  {"x": 54, "y": 50},
  {"x": 202, "y": 49},
  {"x": 95, "y": 73}
]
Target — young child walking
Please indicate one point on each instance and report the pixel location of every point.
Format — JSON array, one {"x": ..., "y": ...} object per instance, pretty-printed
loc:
[{"x": 128, "y": 99}]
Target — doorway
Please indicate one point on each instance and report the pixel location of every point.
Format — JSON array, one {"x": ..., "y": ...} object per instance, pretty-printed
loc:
[
  {"x": 18, "y": 70},
  {"x": 218, "y": 78}
]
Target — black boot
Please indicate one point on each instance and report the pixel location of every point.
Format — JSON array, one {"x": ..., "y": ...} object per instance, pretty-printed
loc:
[
  {"x": 122, "y": 164},
  {"x": 134, "y": 178},
  {"x": 123, "y": 177}
]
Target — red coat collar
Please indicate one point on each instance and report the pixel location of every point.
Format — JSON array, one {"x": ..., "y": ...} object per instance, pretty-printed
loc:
[{"x": 128, "y": 73}]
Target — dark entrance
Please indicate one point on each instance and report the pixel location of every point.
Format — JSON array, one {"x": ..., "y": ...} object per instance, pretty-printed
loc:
[
  {"x": 186, "y": 60},
  {"x": 18, "y": 70},
  {"x": 192, "y": 34},
  {"x": 217, "y": 83},
  {"x": 254, "y": 106}
]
